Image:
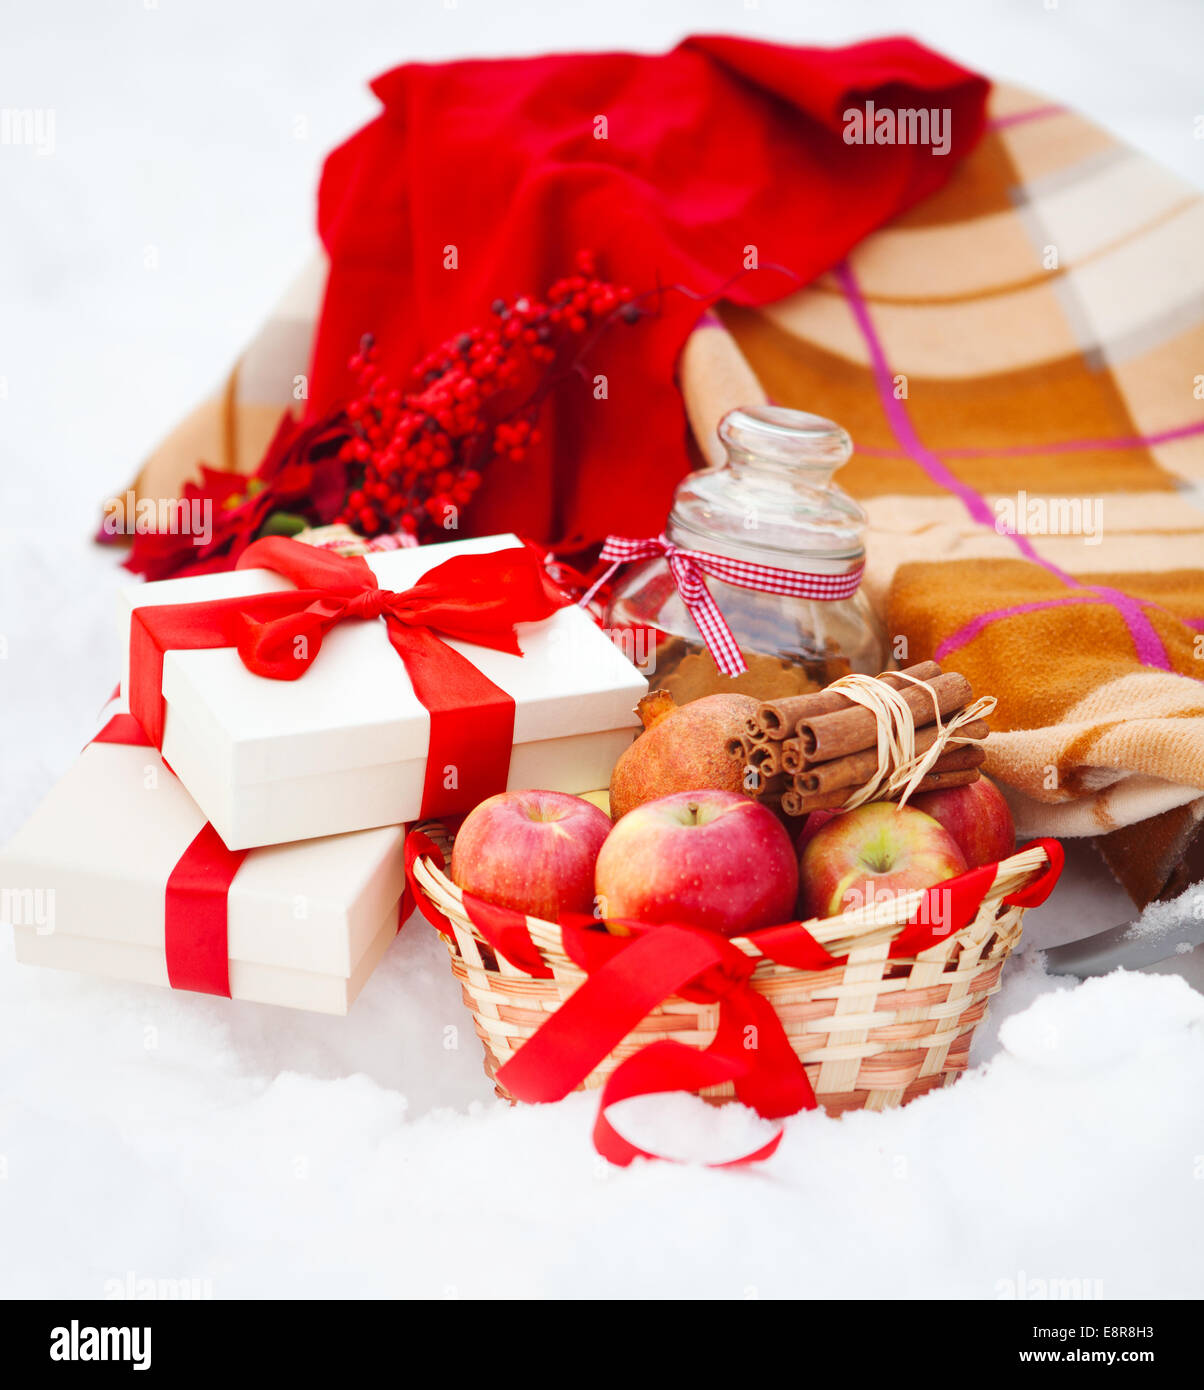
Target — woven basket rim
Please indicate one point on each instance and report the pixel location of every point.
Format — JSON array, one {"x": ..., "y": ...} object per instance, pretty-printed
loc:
[{"x": 861, "y": 927}]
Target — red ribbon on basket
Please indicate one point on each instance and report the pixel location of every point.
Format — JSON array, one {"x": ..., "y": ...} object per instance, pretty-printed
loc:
[
  {"x": 470, "y": 598},
  {"x": 195, "y": 917},
  {"x": 689, "y": 569},
  {"x": 630, "y": 976}
]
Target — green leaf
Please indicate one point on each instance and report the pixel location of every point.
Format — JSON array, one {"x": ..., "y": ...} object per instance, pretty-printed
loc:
[{"x": 283, "y": 524}]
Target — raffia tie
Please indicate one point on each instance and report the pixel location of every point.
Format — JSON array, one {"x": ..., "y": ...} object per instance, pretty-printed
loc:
[{"x": 899, "y": 765}]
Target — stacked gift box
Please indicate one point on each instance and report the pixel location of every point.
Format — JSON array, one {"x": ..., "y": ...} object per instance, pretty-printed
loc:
[{"x": 236, "y": 826}]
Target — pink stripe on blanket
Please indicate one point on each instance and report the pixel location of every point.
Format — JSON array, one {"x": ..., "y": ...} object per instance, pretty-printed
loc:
[
  {"x": 1146, "y": 642},
  {"x": 976, "y": 625},
  {"x": 1080, "y": 446},
  {"x": 1036, "y": 113},
  {"x": 1120, "y": 601},
  {"x": 1060, "y": 446}
]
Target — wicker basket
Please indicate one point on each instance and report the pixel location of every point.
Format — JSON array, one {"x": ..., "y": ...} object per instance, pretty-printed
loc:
[{"x": 872, "y": 1033}]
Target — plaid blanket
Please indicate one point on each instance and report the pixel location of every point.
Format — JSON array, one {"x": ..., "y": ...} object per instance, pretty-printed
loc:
[
  {"x": 1015, "y": 359},
  {"x": 1018, "y": 360}
]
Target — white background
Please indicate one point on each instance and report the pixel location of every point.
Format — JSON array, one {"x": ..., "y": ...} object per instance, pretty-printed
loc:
[{"x": 194, "y": 130}]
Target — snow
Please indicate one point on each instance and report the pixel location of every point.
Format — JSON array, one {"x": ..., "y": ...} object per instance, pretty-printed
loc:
[
  {"x": 1083, "y": 1031},
  {"x": 1181, "y": 914},
  {"x": 157, "y": 1136},
  {"x": 151, "y": 1136}
]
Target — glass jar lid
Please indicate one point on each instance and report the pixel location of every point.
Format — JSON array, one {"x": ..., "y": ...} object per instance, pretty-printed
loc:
[{"x": 773, "y": 499}]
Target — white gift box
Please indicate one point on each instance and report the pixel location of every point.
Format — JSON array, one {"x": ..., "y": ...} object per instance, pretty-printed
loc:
[
  {"x": 344, "y": 747},
  {"x": 83, "y": 884}
]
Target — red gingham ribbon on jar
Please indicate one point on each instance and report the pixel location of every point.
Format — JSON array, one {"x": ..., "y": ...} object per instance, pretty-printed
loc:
[{"x": 690, "y": 568}]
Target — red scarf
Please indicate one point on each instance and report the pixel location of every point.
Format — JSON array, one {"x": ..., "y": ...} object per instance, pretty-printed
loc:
[{"x": 718, "y": 146}]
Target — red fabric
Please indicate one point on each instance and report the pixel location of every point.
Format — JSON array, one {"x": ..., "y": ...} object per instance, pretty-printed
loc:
[
  {"x": 716, "y": 146},
  {"x": 475, "y": 598}
]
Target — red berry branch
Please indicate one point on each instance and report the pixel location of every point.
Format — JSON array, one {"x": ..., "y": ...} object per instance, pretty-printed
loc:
[
  {"x": 405, "y": 458},
  {"x": 416, "y": 456}
]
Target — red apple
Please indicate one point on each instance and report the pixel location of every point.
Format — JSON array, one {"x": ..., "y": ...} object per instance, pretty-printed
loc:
[
  {"x": 532, "y": 851},
  {"x": 862, "y": 855},
  {"x": 976, "y": 816},
  {"x": 814, "y": 822},
  {"x": 705, "y": 858}
]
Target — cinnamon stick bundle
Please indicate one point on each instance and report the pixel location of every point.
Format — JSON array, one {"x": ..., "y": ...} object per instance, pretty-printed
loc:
[
  {"x": 779, "y": 719},
  {"x": 811, "y": 752},
  {"x": 796, "y": 803},
  {"x": 856, "y": 768},
  {"x": 827, "y": 736}
]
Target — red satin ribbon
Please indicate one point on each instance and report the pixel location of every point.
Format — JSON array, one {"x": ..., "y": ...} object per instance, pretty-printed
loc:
[
  {"x": 630, "y": 976},
  {"x": 196, "y": 938},
  {"x": 471, "y": 598},
  {"x": 196, "y": 916},
  {"x": 123, "y": 728}
]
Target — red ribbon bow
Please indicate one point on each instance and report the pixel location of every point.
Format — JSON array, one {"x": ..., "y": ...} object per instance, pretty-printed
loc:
[
  {"x": 630, "y": 976},
  {"x": 690, "y": 568},
  {"x": 471, "y": 598}
]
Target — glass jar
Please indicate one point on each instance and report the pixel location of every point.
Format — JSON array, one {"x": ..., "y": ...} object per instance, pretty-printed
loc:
[{"x": 772, "y": 502}]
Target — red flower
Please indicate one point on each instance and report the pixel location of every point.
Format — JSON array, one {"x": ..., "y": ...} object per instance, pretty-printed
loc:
[{"x": 301, "y": 474}]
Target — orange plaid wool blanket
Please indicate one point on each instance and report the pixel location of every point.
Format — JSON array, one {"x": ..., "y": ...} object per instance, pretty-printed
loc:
[{"x": 1020, "y": 362}]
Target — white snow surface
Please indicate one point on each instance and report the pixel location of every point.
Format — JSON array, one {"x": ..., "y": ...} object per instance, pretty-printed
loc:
[
  {"x": 1178, "y": 915},
  {"x": 164, "y": 1137},
  {"x": 248, "y": 1152}
]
